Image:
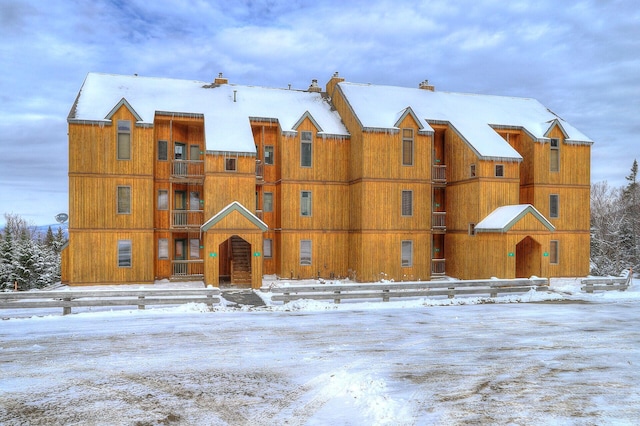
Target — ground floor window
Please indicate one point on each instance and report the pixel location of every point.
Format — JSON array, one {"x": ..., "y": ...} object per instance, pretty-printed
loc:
[
  {"x": 163, "y": 248},
  {"x": 305, "y": 252},
  {"x": 267, "y": 248},
  {"x": 407, "y": 253},
  {"x": 553, "y": 252},
  {"x": 124, "y": 253}
]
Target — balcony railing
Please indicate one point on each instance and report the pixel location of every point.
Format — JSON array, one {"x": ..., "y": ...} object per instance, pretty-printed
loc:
[
  {"x": 187, "y": 169},
  {"x": 186, "y": 218},
  {"x": 437, "y": 267},
  {"x": 188, "y": 268},
  {"x": 438, "y": 221},
  {"x": 259, "y": 170},
  {"x": 439, "y": 173}
]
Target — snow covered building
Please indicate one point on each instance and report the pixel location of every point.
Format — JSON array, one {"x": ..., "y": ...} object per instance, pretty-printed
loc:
[{"x": 176, "y": 179}]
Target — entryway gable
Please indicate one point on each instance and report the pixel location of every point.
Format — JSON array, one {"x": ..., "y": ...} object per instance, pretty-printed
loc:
[
  {"x": 234, "y": 216},
  {"x": 521, "y": 217}
]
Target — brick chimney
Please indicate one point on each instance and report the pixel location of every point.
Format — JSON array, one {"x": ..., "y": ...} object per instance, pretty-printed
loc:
[
  {"x": 220, "y": 79},
  {"x": 314, "y": 87},
  {"x": 426, "y": 86}
]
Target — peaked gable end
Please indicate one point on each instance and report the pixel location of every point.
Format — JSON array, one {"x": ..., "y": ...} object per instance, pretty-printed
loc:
[
  {"x": 504, "y": 218},
  {"x": 228, "y": 212}
]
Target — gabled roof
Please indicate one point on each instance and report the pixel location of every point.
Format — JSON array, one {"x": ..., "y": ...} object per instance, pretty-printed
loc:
[
  {"x": 473, "y": 116},
  {"x": 504, "y": 218},
  {"x": 308, "y": 115},
  {"x": 233, "y": 207},
  {"x": 226, "y": 108},
  {"x": 124, "y": 102}
]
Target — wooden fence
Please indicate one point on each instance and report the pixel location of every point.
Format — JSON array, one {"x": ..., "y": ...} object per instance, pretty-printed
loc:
[
  {"x": 386, "y": 291},
  {"x": 67, "y": 299},
  {"x": 608, "y": 283}
]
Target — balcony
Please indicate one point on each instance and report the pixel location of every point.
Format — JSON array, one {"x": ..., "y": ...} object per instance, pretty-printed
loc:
[
  {"x": 438, "y": 221},
  {"x": 259, "y": 172},
  {"x": 437, "y": 267},
  {"x": 187, "y": 169},
  {"x": 182, "y": 269},
  {"x": 439, "y": 174},
  {"x": 186, "y": 219}
]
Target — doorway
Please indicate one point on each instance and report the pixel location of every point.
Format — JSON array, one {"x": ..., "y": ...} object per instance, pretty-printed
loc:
[{"x": 528, "y": 258}]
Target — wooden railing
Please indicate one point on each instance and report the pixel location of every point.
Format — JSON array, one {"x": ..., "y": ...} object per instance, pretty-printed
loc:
[
  {"x": 386, "y": 291},
  {"x": 188, "y": 268},
  {"x": 187, "y": 218},
  {"x": 259, "y": 170},
  {"x": 438, "y": 220},
  {"x": 437, "y": 266},
  {"x": 67, "y": 299},
  {"x": 439, "y": 173},
  {"x": 187, "y": 168},
  {"x": 608, "y": 283}
]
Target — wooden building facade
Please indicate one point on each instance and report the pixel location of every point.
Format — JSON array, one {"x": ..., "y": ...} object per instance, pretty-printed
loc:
[{"x": 182, "y": 180}]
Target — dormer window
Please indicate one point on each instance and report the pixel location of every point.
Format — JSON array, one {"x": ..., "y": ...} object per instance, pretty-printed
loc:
[
  {"x": 306, "y": 149},
  {"x": 554, "y": 155},
  {"x": 124, "y": 140},
  {"x": 407, "y": 147}
]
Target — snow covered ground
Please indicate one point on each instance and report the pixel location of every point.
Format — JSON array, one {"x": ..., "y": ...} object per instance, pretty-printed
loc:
[{"x": 563, "y": 358}]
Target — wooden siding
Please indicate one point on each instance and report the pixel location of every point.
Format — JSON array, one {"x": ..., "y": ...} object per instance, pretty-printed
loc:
[
  {"x": 222, "y": 188},
  {"x": 329, "y": 254}
]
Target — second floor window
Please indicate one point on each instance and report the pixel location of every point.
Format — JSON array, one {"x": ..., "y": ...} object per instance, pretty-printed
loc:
[
  {"x": 268, "y": 154},
  {"x": 267, "y": 202},
  {"x": 305, "y": 203},
  {"x": 124, "y": 140},
  {"x": 306, "y": 148},
  {"x": 163, "y": 150},
  {"x": 554, "y": 158},
  {"x": 407, "y": 203},
  {"x": 124, "y": 200},
  {"x": 407, "y": 147},
  {"x": 554, "y": 206},
  {"x": 267, "y": 248}
]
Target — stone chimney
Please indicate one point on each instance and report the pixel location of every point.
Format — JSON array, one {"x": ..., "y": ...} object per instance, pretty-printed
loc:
[
  {"x": 220, "y": 79},
  {"x": 314, "y": 87},
  {"x": 426, "y": 86}
]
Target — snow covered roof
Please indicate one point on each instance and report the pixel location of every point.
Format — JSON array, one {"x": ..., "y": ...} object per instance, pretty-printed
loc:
[
  {"x": 226, "y": 108},
  {"x": 230, "y": 208},
  {"x": 474, "y": 117},
  {"x": 503, "y": 218}
]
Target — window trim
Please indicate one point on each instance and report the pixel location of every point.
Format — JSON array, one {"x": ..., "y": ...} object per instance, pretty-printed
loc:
[
  {"x": 555, "y": 197},
  {"x": 264, "y": 203},
  {"x": 554, "y": 255},
  {"x": 166, "y": 150},
  {"x": 118, "y": 209},
  {"x": 501, "y": 168},
  {"x": 302, "y": 193},
  {"x": 409, "y": 260},
  {"x": 304, "y": 141},
  {"x": 273, "y": 155},
  {"x": 161, "y": 243},
  {"x": 408, "y": 136},
  {"x": 122, "y": 244},
  {"x": 123, "y": 131},
  {"x": 303, "y": 261},
  {"x": 409, "y": 193},
  {"x": 552, "y": 150},
  {"x": 267, "y": 253}
]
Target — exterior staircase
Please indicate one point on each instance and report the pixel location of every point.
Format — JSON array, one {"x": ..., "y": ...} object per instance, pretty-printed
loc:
[{"x": 240, "y": 261}]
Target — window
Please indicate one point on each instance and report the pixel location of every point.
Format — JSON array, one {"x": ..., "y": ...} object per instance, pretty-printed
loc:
[
  {"x": 472, "y": 171},
  {"x": 407, "y": 203},
  {"x": 163, "y": 151},
  {"x": 163, "y": 248},
  {"x": 194, "y": 248},
  {"x": 553, "y": 252},
  {"x": 230, "y": 164},
  {"x": 163, "y": 199},
  {"x": 124, "y": 200},
  {"x": 124, "y": 253},
  {"x": 499, "y": 170},
  {"x": 267, "y": 246},
  {"x": 306, "y": 148},
  {"x": 554, "y": 206},
  {"x": 267, "y": 202},
  {"x": 194, "y": 152},
  {"x": 305, "y": 252},
  {"x": 268, "y": 154},
  {"x": 124, "y": 140},
  {"x": 407, "y": 147},
  {"x": 194, "y": 201},
  {"x": 305, "y": 203},
  {"x": 407, "y": 253},
  {"x": 472, "y": 229},
  {"x": 554, "y": 158}
]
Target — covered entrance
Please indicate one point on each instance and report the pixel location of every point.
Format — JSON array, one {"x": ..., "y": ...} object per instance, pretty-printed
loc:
[{"x": 528, "y": 258}]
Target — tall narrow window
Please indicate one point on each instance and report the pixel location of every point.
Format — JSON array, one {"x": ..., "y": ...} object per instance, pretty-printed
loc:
[
  {"x": 306, "y": 148},
  {"x": 194, "y": 248},
  {"x": 267, "y": 202},
  {"x": 407, "y": 147},
  {"x": 163, "y": 199},
  {"x": 407, "y": 253},
  {"x": 124, "y": 200},
  {"x": 554, "y": 159},
  {"x": 124, "y": 140},
  {"x": 554, "y": 206},
  {"x": 499, "y": 170},
  {"x": 553, "y": 252},
  {"x": 124, "y": 253},
  {"x": 305, "y": 252},
  {"x": 407, "y": 203},
  {"x": 163, "y": 151},
  {"x": 163, "y": 248},
  {"x": 194, "y": 152},
  {"x": 472, "y": 171},
  {"x": 268, "y": 154},
  {"x": 267, "y": 248},
  {"x": 194, "y": 200},
  {"x": 305, "y": 203}
]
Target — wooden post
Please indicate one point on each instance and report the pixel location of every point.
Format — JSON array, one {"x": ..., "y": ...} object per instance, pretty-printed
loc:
[
  {"x": 66, "y": 310},
  {"x": 337, "y": 300},
  {"x": 140, "y": 306}
]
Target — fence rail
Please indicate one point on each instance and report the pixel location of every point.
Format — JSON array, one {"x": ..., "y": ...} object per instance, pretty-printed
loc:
[
  {"x": 67, "y": 299},
  {"x": 409, "y": 289},
  {"x": 608, "y": 283},
  {"x": 185, "y": 268}
]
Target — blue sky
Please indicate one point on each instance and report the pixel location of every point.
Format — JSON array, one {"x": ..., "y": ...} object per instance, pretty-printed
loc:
[{"x": 581, "y": 59}]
